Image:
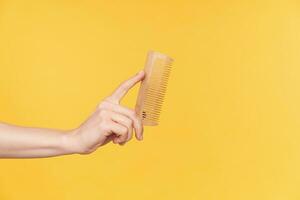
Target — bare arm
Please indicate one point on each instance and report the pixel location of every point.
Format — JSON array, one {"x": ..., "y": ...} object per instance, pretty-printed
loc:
[
  {"x": 110, "y": 122},
  {"x": 16, "y": 141}
]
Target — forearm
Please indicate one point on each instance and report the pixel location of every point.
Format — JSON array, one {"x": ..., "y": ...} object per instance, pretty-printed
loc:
[{"x": 25, "y": 142}]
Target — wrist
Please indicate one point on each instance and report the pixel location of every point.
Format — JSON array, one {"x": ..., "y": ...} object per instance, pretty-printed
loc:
[{"x": 70, "y": 142}]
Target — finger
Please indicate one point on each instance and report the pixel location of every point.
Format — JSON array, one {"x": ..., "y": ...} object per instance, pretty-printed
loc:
[
  {"x": 137, "y": 122},
  {"x": 108, "y": 139},
  {"x": 116, "y": 141},
  {"x": 122, "y": 90},
  {"x": 123, "y": 120},
  {"x": 120, "y": 130}
]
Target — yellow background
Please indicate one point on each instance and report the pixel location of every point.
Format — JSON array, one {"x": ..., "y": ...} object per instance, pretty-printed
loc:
[{"x": 230, "y": 126}]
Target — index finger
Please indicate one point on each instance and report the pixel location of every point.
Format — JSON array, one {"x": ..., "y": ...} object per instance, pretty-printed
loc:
[{"x": 122, "y": 90}]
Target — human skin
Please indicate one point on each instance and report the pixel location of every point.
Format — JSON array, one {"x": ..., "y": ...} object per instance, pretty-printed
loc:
[{"x": 110, "y": 122}]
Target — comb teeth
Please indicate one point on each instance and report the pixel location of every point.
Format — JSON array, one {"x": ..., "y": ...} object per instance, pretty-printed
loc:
[{"x": 153, "y": 87}]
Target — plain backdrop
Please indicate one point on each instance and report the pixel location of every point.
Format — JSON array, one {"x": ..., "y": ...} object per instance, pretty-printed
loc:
[{"x": 230, "y": 123}]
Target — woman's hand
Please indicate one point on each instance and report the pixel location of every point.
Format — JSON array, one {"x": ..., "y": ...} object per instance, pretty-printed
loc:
[{"x": 110, "y": 122}]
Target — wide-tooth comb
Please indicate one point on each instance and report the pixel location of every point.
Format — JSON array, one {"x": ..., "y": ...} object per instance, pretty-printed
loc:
[{"x": 153, "y": 88}]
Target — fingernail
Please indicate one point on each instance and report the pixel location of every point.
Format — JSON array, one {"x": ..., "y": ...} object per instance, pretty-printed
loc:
[{"x": 141, "y": 137}]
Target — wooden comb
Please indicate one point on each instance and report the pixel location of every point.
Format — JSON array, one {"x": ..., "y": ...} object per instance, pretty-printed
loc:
[{"x": 153, "y": 88}]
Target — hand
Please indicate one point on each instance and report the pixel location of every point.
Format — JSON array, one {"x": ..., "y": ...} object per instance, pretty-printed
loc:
[{"x": 110, "y": 122}]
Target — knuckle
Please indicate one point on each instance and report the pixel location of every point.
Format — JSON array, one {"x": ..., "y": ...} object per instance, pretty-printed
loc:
[
  {"x": 137, "y": 122},
  {"x": 105, "y": 104},
  {"x": 129, "y": 123},
  {"x": 108, "y": 101},
  {"x": 124, "y": 131},
  {"x": 132, "y": 114},
  {"x": 103, "y": 113},
  {"x": 104, "y": 126}
]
